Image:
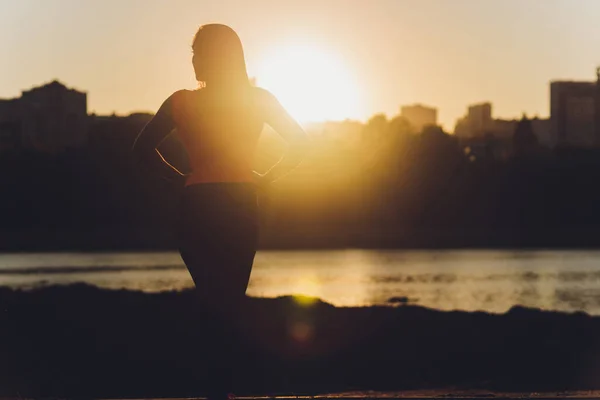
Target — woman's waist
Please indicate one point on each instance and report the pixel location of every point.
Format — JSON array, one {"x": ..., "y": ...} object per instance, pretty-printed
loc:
[
  {"x": 204, "y": 176},
  {"x": 217, "y": 198},
  {"x": 235, "y": 190}
]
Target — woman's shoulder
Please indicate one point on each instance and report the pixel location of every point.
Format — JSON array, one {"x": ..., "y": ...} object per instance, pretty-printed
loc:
[
  {"x": 181, "y": 94},
  {"x": 178, "y": 102}
]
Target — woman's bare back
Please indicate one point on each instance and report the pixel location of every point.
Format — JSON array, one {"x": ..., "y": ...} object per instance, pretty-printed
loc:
[{"x": 220, "y": 132}]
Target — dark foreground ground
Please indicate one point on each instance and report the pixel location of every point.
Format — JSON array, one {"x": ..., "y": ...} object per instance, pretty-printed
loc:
[
  {"x": 432, "y": 394},
  {"x": 80, "y": 341}
]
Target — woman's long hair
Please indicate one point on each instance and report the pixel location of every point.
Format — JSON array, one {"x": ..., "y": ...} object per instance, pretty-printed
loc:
[{"x": 219, "y": 57}]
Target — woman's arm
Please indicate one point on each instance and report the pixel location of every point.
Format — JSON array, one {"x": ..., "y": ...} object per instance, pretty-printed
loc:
[
  {"x": 145, "y": 145},
  {"x": 298, "y": 142}
]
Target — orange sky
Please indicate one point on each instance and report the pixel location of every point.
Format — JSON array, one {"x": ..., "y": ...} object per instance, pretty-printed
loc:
[{"x": 130, "y": 55}]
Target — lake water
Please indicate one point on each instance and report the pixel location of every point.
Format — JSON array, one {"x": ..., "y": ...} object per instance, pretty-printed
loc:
[{"x": 490, "y": 281}]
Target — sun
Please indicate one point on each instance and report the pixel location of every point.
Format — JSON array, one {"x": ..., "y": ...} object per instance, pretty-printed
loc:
[{"x": 312, "y": 84}]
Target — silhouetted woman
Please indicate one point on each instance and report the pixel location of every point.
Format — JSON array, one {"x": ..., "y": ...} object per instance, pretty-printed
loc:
[{"x": 219, "y": 125}]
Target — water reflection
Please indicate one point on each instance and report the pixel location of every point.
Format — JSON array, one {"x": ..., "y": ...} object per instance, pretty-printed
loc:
[{"x": 492, "y": 281}]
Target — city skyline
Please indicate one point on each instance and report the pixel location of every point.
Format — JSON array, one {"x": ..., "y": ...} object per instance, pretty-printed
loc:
[
  {"x": 403, "y": 110},
  {"x": 391, "y": 52}
]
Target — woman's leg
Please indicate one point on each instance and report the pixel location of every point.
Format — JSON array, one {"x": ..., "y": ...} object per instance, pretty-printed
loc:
[
  {"x": 223, "y": 306},
  {"x": 218, "y": 238}
]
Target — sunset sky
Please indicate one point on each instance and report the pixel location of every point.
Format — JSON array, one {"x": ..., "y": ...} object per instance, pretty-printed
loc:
[{"x": 367, "y": 56}]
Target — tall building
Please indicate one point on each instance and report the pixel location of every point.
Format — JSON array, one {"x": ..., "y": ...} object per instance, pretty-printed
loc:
[
  {"x": 573, "y": 113},
  {"x": 480, "y": 118},
  {"x": 477, "y": 122},
  {"x": 53, "y": 117},
  {"x": 419, "y": 116}
]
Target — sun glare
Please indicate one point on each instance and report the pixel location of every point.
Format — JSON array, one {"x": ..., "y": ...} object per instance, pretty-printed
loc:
[
  {"x": 306, "y": 290},
  {"x": 312, "y": 84}
]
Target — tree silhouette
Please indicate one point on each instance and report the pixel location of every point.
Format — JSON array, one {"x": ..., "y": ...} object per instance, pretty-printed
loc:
[
  {"x": 400, "y": 127},
  {"x": 524, "y": 140},
  {"x": 375, "y": 128}
]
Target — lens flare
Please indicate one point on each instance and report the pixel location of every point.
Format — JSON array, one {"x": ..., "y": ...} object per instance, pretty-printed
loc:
[{"x": 301, "y": 332}]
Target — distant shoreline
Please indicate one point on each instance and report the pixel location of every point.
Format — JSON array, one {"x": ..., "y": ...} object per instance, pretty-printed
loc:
[
  {"x": 158, "y": 249},
  {"x": 117, "y": 239},
  {"x": 284, "y": 249}
]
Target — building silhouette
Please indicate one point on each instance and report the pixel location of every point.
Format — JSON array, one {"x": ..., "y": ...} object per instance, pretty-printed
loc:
[
  {"x": 573, "y": 113},
  {"x": 53, "y": 117},
  {"x": 479, "y": 117},
  {"x": 479, "y": 123},
  {"x": 48, "y": 118},
  {"x": 419, "y": 116}
]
